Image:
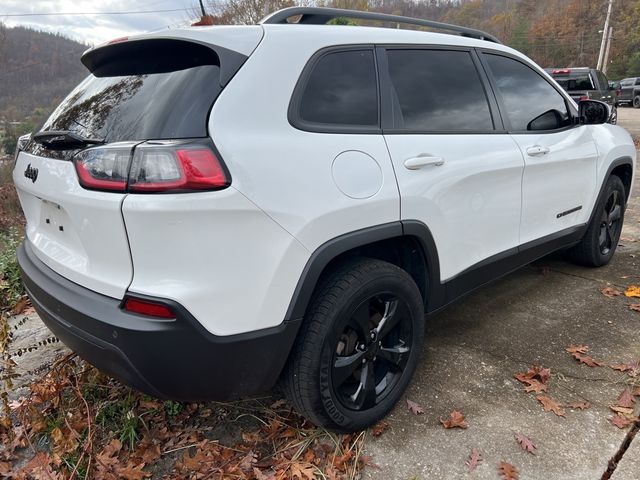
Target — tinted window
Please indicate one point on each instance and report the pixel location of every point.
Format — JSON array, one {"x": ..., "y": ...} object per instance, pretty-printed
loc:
[
  {"x": 139, "y": 107},
  {"x": 438, "y": 90},
  {"x": 525, "y": 94},
  {"x": 574, "y": 82},
  {"x": 342, "y": 90}
]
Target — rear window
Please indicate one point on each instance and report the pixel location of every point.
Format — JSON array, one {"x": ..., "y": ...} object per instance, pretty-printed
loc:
[
  {"x": 166, "y": 105},
  {"x": 582, "y": 82}
]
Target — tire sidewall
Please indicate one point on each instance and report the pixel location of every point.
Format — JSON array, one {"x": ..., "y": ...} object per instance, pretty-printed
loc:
[
  {"x": 614, "y": 183},
  {"x": 406, "y": 291}
]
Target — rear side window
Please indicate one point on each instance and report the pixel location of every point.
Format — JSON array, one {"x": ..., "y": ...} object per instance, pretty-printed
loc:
[
  {"x": 341, "y": 90},
  {"x": 527, "y": 96},
  {"x": 437, "y": 90}
]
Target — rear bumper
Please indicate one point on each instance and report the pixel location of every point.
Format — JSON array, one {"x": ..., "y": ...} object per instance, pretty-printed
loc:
[{"x": 175, "y": 359}]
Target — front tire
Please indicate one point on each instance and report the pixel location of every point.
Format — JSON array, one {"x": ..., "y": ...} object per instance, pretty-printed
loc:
[
  {"x": 358, "y": 346},
  {"x": 601, "y": 239}
]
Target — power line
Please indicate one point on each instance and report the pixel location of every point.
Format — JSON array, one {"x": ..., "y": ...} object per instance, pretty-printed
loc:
[{"x": 91, "y": 13}]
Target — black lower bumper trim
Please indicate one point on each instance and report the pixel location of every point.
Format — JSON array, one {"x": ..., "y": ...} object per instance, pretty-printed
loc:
[{"x": 173, "y": 359}]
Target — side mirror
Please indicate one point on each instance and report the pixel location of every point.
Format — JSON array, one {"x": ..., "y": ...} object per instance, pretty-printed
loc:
[
  {"x": 549, "y": 120},
  {"x": 593, "y": 112}
]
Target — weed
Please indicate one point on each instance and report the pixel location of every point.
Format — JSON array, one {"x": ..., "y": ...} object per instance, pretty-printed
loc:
[
  {"x": 11, "y": 288},
  {"x": 172, "y": 408}
]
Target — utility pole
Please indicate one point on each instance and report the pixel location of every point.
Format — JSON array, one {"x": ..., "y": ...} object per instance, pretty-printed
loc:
[
  {"x": 605, "y": 63},
  {"x": 605, "y": 33},
  {"x": 202, "y": 8}
]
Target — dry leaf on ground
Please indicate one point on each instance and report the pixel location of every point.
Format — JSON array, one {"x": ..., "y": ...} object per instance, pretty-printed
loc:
[
  {"x": 456, "y": 420},
  {"x": 535, "y": 379},
  {"x": 579, "y": 405},
  {"x": 550, "y": 405},
  {"x": 507, "y": 471},
  {"x": 379, "y": 428},
  {"x": 525, "y": 443},
  {"x": 611, "y": 292},
  {"x": 577, "y": 349},
  {"x": 626, "y": 399},
  {"x": 586, "y": 359},
  {"x": 635, "y": 307},
  {"x": 414, "y": 408},
  {"x": 475, "y": 459},
  {"x": 620, "y": 421},
  {"x": 632, "y": 291}
]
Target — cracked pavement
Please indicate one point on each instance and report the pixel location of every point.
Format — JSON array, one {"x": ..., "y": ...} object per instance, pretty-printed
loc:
[{"x": 474, "y": 347}]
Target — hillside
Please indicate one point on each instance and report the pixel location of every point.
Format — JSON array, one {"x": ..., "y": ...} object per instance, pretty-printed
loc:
[{"x": 37, "y": 70}]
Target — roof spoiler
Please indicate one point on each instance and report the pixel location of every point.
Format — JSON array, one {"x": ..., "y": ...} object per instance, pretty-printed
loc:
[
  {"x": 321, "y": 16},
  {"x": 159, "y": 55}
]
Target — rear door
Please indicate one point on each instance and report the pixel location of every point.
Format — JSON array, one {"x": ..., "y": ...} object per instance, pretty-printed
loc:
[
  {"x": 156, "y": 89},
  {"x": 560, "y": 158},
  {"x": 458, "y": 171}
]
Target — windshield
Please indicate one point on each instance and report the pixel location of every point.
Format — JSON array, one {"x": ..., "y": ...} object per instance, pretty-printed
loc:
[
  {"x": 170, "y": 105},
  {"x": 582, "y": 82}
]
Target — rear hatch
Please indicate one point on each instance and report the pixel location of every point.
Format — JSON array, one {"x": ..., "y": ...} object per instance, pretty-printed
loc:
[{"x": 149, "y": 89}]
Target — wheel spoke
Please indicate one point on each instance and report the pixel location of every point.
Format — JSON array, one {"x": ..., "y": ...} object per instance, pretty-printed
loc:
[
  {"x": 394, "y": 355},
  {"x": 389, "y": 319},
  {"x": 344, "y": 367},
  {"x": 610, "y": 236},
  {"x": 365, "y": 396},
  {"x": 614, "y": 215}
]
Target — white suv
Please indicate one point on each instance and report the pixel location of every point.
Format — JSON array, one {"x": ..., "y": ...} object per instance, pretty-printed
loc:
[{"x": 217, "y": 208}]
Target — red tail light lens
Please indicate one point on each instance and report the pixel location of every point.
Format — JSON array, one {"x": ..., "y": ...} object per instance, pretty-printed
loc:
[
  {"x": 155, "y": 166},
  {"x": 161, "y": 169},
  {"x": 150, "y": 309},
  {"x": 584, "y": 97}
]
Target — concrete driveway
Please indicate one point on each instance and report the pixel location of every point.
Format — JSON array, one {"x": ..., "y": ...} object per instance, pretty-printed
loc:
[{"x": 474, "y": 348}]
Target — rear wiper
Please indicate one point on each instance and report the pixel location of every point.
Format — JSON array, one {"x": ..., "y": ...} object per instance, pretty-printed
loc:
[{"x": 63, "y": 140}]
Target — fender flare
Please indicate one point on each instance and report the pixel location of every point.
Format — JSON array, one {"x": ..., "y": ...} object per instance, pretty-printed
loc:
[
  {"x": 616, "y": 163},
  {"x": 331, "y": 249}
]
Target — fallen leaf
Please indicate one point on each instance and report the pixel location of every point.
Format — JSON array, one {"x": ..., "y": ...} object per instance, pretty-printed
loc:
[
  {"x": 611, "y": 292},
  {"x": 456, "y": 420},
  {"x": 633, "y": 368},
  {"x": 550, "y": 405},
  {"x": 636, "y": 392},
  {"x": 579, "y": 405},
  {"x": 535, "y": 379},
  {"x": 247, "y": 462},
  {"x": 507, "y": 471},
  {"x": 635, "y": 307},
  {"x": 626, "y": 400},
  {"x": 260, "y": 475},
  {"x": 414, "y": 408},
  {"x": 367, "y": 460},
  {"x": 20, "y": 306},
  {"x": 525, "y": 443},
  {"x": 303, "y": 471},
  {"x": 474, "y": 460},
  {"x": 620, "y": 421},
  {"x": 379, "y": 428},
  {"x": 632, "y": 291},
  {"x": 577, "y": 349},
  {"x": 625, "y": 411},
  {"x": 587, "y": 360}
]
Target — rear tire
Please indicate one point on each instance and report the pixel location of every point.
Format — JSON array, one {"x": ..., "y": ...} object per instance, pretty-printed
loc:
[
  {"x": 601, "y": 239},
  {"x": 358, "y": 346},
  {"x": 636, "y": 101}
]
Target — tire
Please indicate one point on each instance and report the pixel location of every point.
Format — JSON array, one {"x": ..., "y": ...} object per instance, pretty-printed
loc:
[
  {"x": 345, "y": 349},
  {"x": 636, "y": 101},
  {"x": 601, "y": 239}
]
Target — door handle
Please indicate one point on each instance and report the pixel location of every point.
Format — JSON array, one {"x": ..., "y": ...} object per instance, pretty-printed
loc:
[
  {"x": 537, "y": 150},
  {"x": 420, "y": 161}
]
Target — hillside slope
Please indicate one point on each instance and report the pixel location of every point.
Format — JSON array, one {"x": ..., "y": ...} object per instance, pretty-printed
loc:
[{"x": 37, "y": 70}]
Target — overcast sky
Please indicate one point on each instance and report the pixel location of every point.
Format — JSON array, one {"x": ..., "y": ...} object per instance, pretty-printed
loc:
[{"x": 95, "y": 29}]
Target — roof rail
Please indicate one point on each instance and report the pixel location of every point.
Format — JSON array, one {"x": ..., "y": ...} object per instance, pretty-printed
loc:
[{"x": 321, "y": 16}]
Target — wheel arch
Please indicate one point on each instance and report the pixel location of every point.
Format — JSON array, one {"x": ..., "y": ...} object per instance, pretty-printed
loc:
[
  {"x": 620, "y": 166},
  {"x": 407, "y": 244}
]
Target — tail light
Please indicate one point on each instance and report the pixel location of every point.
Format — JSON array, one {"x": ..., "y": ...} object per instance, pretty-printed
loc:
[
  {"x": 562, "y": 71},
  {"x": 152, "y": 167},
  {"x": 584, "y": 97},
  {"x": 148, "y": 308}
]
